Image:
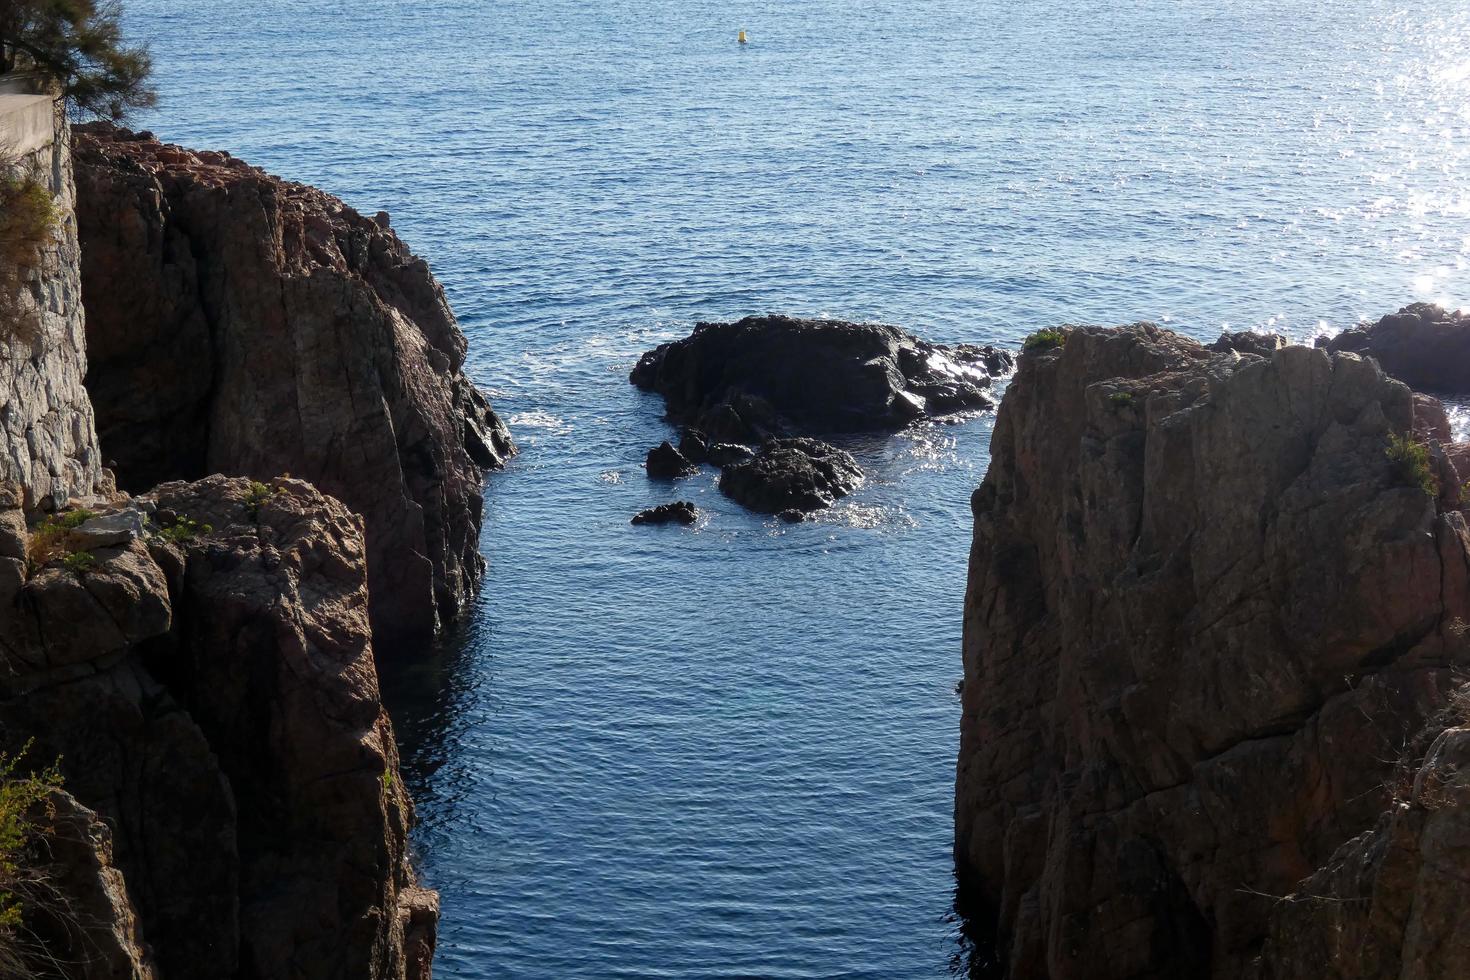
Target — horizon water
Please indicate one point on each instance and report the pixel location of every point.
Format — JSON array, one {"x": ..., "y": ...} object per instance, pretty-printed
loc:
[{"x": 728, "y": 751}]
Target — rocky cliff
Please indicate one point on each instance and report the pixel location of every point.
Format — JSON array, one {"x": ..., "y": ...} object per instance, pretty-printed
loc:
[
  {"x": 242, "y": 324},
  {"x": 210, "y": 691},
  {"x": 1212, "y": 629},
  {"x": 198, "y": 658}
]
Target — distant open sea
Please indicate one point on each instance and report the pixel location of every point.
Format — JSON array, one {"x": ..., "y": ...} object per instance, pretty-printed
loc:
[{"x": 728, "y": 751}]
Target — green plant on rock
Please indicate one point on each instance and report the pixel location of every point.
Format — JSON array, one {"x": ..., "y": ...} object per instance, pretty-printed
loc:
[
  {"x": 1046, "y": 339},
  {"x": 182, "y": 531},
  {"x": 1121, "y": 399},
  {"x": 79, "y": 561},
  {"x": 1410, "y": 462},
  {"x": 28, "y": 218},
  {"x": 28, "y": 223},
  {"x": 255, "y": 498},
  {"x": 19, "y": 797},
  {"x": 50, "y": 539}
]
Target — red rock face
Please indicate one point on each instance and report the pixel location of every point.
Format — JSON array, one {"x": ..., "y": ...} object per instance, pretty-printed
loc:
[
  {"x": 244, "y": 325},
  {"x": 1206, "y": 618}
]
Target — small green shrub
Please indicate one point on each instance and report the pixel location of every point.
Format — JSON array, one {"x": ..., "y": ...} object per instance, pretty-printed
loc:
[
  {"x": 1410, "y": 461},
  {"x": 1121, "y": 399},
  {"x": 183, "y": 530},
  {"x": 49, "y": 539},
  {"x": 28, "y": 223},
  {"x": 19, "y": 794},
  {"x": 72, "y": 519},
  {"x": 79, "y": 561},
  {"x": 256, "y": 497},
  {"x": 1046, "y": 339},
  {"x": 28, "y": 219}
]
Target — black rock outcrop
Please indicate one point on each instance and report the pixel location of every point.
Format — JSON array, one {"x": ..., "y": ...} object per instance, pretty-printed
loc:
[
  {"x": 792, "y": 474},
  {"x": 776, "y": 376},
  {"x": 679, "y": 512},
  {"x": 1423, "y": 345}
]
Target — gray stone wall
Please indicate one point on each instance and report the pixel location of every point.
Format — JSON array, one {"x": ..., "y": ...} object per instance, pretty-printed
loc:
[{"x": 48, "y": 441}]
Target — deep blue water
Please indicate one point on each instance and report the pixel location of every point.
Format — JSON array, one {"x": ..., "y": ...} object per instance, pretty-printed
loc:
[{"x": 728, "y": 751}]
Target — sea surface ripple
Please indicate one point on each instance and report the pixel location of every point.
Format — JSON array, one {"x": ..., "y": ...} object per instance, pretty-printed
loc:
[{"x": 728, "y": 751}]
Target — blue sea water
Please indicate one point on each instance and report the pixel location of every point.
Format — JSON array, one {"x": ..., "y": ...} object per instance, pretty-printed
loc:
[{"x": 727, "y": 751}]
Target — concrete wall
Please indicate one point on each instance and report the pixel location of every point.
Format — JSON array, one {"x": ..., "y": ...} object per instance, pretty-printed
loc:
[{"x": 27, "y": 123}]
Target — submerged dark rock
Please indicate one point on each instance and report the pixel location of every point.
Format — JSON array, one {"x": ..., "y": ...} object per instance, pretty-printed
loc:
[
  {"x": 1423, "y": 345},
  {"x": 679, "y": 512},
  {"x": 664, "y": 462},
  {"x": 792, "y": 474},
  {"x": 769, "y": 376}
]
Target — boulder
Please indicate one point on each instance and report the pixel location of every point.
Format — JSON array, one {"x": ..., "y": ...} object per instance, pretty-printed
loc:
[
  {"x": 1423, "y": 345},
  {"x": 694, "y": 445},
  {"x": 1200, "y": 634},
  {"x": 778, "y": 375},
  {"x": 664, "y": 462},
  {"x": 1248, "y": 342},
  {"x": 792, "y": 474},
  {"x": 729, "y": 453},
  {"x": 1431, "y": 423},
  {"x": 679, "y": 512},
  {"x": 273, "y": 658},
  {"x": 109, "y": 530},
  {"x": 242, "y": 324}
]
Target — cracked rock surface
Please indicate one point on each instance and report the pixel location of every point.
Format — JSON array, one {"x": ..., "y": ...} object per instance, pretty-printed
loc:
[
  {"x": 1208, "y": 626},
  {"x": 214, "y": 706},
  {"x": 246, "y": 325}
]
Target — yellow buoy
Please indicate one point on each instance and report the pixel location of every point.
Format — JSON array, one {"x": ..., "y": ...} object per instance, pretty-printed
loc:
[{"x": 742, "y": 37}]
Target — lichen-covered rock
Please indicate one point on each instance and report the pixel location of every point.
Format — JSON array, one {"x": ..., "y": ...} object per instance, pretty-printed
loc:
[
  {"x": 792, "y": 474},
  {"x": 777, "y": 375},
  {"x": 48, "y": 444},
  {"x": 1199, "y": 628},
  {"x": 246, "y": 325},
  {"x": 1423, "y": 345}
]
